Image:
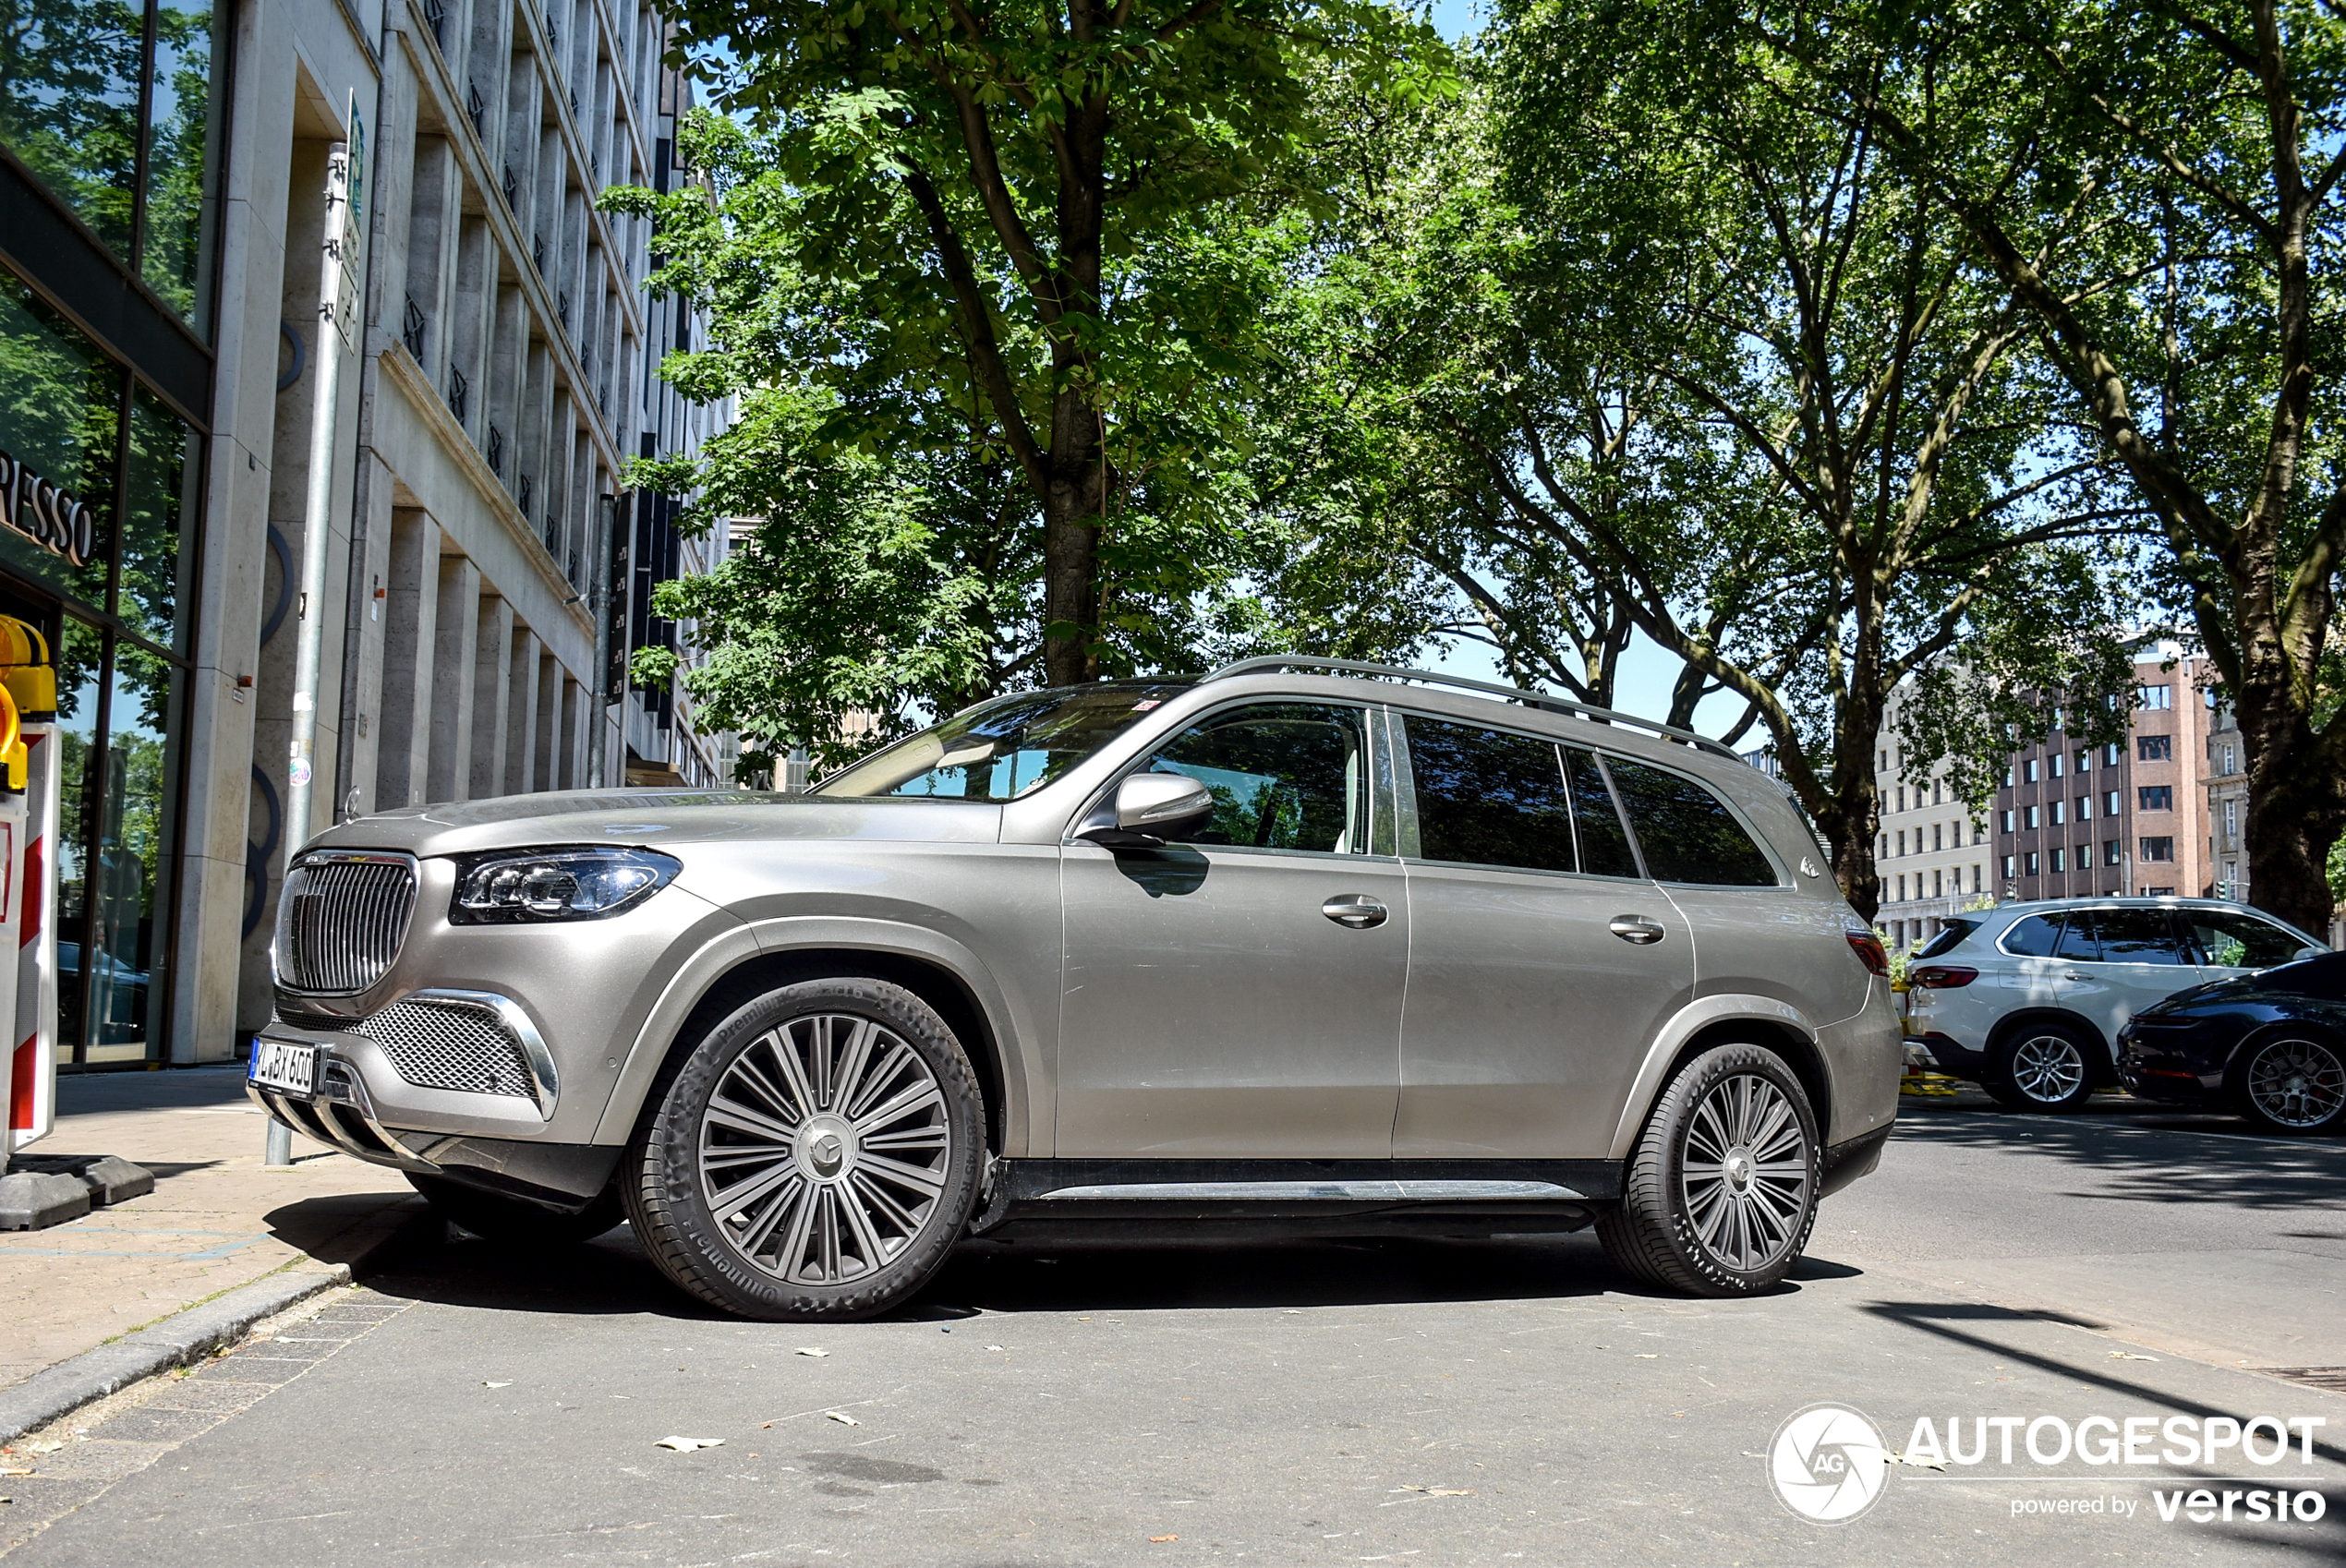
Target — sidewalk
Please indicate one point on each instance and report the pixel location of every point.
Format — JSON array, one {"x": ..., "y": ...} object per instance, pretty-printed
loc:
[{"x": 216, "y": 1220}]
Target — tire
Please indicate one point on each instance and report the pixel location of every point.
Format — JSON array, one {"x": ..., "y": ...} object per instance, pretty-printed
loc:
[
  {"x": 1726, "y": 1224},
  {"x": 750, "y": 1181},
  {"x": 2292, "y": 1083},
  {"x": 2043, "y": 1067},
  {"x": 516, "y": 1222}
]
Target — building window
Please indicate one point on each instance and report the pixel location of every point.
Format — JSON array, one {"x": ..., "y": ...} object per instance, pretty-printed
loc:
[
  {"x": 1979, "y": 832},
  {"x": 2109, "y": 803},
  {"x": 2110, "y": 854},
  {"x": 2028, "y": 771},
  {"x": 2155, "y": 698},
  {"x": 2232, "y": 818},
  {"x": 1901, "y": 797},
  {"x": 2228, "y": 760},
  {"x": 2032, "y": 862},
  {"x": 1938, "y": 836},
  {"x": 1901, "y": 843},
  {"x": 2162, "y": 849},
  {"x": 2007, "y": 776},
  {"x": 2084, "y": 760},
  {"x": 2032, "y": 822},
  {"x": 1976, "y": 885},
  {"x": 2057, "y": 811},
  {"x": 2109, "y": 754},
  {"x": 2155, "y": 748},
  {"x": 2060, "y": 861},
  {"x": 2010, "y": 861},
  {"x": 2155, "y": 797},
  {"x": 1938, "y": 884},
  {"x": 1902, "y": 891},
  {"x": 2055, "y": 759}
]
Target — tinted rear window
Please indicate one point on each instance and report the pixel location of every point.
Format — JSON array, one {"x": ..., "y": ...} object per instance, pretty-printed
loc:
[
  {"x": 1486, "y": 797},
  {"x": 1604, "y": 843},
  {"x": 1685, "y": 831},
  {"x": 1948, "y": 939},
  {"x": 2137, "y": 936},
  {"x": 2032, "y": 937}
]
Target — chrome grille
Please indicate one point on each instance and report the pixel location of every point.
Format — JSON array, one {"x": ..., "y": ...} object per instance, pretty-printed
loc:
[
  {"x": 438, "y": 1046},
  {"x": 342, "y": 920}
]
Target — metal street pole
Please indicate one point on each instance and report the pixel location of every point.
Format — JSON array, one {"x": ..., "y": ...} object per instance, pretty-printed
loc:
[{"x": 337, "y": 309}]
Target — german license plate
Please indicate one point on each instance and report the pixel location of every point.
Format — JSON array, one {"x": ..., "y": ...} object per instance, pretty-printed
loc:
[{"x": 284, "y": 1066}]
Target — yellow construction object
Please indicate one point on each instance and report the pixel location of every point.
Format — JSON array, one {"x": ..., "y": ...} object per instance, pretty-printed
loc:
[
  {"x": 26, "y": 672},
  {"x": 13, "y": 757}
]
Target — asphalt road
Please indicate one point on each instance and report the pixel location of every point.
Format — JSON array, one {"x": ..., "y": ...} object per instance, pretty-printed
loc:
[{"x": 1404, "y": 1402}]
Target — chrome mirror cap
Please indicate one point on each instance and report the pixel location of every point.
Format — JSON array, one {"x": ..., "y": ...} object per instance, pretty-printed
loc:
[{"x": 1150, "y": 809}]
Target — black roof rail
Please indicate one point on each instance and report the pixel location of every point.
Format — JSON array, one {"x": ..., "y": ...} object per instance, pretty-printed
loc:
[{"x": 1490, "y": 688}]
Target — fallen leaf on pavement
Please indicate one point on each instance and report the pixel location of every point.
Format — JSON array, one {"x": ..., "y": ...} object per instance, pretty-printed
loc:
[
  {"x": 842, "y": 1418},
  {"x": 1644, "y": 1357},
  {"x": 507, "y": 1385},
  {"x": 810, "y": 1350},
  {"x": 43, "y": 1447},
  {"x": 685, "y": 1444},
  {"x": 1165, "y": 1537},
  {"x": 993, "y": 1347},
  {"x": 2130, "y": 1356},
  {"x": 1917, "y": 1463}
]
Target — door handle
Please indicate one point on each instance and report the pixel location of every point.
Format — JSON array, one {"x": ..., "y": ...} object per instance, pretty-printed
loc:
[
  {"x": 1637, "y": 929},
  {"x": 1358, "y": 911}
]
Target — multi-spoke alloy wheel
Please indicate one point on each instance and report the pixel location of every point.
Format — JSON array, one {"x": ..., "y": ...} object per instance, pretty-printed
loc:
[
  {"x": 815, "y": 1155},
  {"x": 1746, "y": 1173},
  {"x": 2294, "y": 1085},
  {"x": 2043, "y": 1067},
  {"x": 1720, "y": 1194},
  {"x": 824, "y": 1149}
]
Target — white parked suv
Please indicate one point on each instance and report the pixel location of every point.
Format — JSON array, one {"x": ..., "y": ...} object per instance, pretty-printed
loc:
[{"x": 2028, "y": 999}]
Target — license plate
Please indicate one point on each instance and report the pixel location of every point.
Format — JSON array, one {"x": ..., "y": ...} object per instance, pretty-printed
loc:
[{"x": 281, "y": 1065}]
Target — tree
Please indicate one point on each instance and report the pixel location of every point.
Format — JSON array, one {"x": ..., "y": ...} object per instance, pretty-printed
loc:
[
  {"x": 1017, "y": 194},
  {"x": 1717, "y": 355},
  {"x": 2158, "y": 188}
]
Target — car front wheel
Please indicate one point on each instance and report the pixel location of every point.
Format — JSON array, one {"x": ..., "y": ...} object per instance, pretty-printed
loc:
[
  {"x": 2292, "y": 1084},
  {"x": 2045, "y": 1066},
  {"x": 816, "y": 1156},
  {"x": 1721, "y": 1192}
]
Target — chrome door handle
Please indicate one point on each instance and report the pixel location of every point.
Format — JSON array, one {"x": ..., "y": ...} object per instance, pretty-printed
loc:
[
  {"x": 1358, "y": 911},
  {"x": 1637, "y": 929}
]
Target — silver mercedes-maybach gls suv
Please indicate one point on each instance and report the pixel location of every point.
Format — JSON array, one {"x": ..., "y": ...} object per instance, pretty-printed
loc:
[{"x": 1298, "y": 948}]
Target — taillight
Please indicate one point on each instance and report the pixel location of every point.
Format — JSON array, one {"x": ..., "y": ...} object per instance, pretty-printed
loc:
[
  {"x": 1941, "y": 977},
  {"x": 1867, "y": 947}
]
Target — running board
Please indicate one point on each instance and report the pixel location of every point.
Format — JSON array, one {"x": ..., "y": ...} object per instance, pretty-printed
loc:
[{"x": 1306, "y": 1191}]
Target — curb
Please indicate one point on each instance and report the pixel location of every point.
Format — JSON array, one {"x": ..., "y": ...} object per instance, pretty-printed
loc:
[{"x": 178, "y": 1340}]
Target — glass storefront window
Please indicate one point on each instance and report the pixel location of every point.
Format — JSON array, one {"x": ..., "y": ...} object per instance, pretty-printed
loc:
[
  {"x": 69, "y": 74},
  {"x": 129, "y": 881},
  {"x": 181, "y": 118},
  {"x": 165, "y": 491},
  {"x": 80, "y": 662},
  {"x": 60, "y": 402}
]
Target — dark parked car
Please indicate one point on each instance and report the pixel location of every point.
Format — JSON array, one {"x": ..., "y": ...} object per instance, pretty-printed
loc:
[{"x": 2270, "y": 1045}]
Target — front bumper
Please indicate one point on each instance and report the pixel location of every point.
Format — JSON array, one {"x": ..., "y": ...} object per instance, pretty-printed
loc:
[{"x": 2179, "y": 1064}]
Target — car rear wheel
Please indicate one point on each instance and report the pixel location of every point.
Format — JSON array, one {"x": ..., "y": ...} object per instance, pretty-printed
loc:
[
  {"x": 816, "y": 1155},
  {"x": 2292, "y": 1084},
  {"x": 2044, "y": 1067},
  {"x": 516, "y": 1222},
  {"x": 1721, "y": 1191}
]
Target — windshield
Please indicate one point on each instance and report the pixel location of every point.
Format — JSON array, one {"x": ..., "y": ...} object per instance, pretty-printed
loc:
[{"x": 1006, "y": 748}]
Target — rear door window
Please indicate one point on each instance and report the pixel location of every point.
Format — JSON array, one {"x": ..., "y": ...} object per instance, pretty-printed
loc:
[
  {"x": 1605, "y": 842},
  {"x": 1686, "y": 832},
  {"x": 2078, "y": 939},
  {"x": 2138, "y": 937},
  {"x": 1488, "y": 797}
]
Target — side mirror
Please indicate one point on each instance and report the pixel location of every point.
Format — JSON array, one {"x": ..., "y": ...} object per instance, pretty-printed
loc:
[
  {"x": 2308, "y": 953},
  {"x": 1150, "y": 808}
]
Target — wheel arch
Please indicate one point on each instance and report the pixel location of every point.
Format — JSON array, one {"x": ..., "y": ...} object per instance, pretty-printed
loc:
[
  {"x": 2105, "y": 1061},
  {"x": 2264, "y": 1034},
  {"x": 732, "y": 972},
  {"x": 1724, "y": 1021}
]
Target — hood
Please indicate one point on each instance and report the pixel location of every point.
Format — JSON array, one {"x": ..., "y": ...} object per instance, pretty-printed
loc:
[{"x": 662, "y": 819}]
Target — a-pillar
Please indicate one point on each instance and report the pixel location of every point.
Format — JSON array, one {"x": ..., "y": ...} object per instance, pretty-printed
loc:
[
  {"x": 491, "y": 687},
  {"x": 450, "y": 775},
  {"x": 411, "y": 623}
]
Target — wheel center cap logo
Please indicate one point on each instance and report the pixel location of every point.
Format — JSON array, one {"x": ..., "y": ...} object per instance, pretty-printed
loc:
[
  {"x": 1828, "y": 1462},
  {"x": 1739, "y": 1171},
  {"x": 827, "y": 1155}
]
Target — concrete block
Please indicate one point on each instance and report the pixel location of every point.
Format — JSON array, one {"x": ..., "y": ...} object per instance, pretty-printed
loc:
[
  {"x": 37, "y": 1199},
  {"x": 109, "y": 1178}
]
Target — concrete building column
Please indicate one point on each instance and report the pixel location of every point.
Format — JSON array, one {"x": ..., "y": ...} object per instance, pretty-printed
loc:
[
  {"x": 547, "y": 732},
  {"x": 491, "y": 693},
  {"x": 411, "y": 630},
  {"x": 574, "y": 736},
  {"x": 521, "y": 712},
  {"x": 450, "y": 776}
]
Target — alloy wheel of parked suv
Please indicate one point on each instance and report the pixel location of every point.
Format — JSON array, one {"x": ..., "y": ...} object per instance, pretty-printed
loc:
[
  {"x": 2043, "y": 1067},
  {"x": 2293, "y": 1084},
  {"x": 816, "y": 1156},
  {"x": 1722, "y": 1189}
]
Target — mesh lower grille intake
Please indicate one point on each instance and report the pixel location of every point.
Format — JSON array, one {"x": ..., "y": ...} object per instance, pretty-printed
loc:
[{"x": 438, "y": 1046}]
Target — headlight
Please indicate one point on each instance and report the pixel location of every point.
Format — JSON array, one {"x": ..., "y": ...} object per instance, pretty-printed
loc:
[{"x": 581, "y": 884}]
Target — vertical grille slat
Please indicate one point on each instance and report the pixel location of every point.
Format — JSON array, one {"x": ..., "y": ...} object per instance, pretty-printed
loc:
[{"x": 342, "y": 922}]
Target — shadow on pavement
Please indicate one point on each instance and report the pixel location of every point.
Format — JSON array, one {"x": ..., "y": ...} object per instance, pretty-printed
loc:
[
  {"x": 429, "y": 1262},
  {"x": 2148, "y": 1161}
]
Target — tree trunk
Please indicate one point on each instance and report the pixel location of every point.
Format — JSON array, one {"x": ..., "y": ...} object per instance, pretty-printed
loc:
[
  {"x": 2294, "y": 815},
  {"x": 1074, "y": 508}
]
